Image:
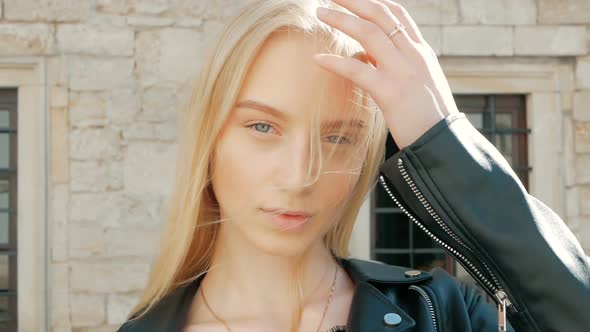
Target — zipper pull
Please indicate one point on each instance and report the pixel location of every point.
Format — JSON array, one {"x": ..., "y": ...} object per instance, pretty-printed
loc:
[{"x": 502, "y": 324}]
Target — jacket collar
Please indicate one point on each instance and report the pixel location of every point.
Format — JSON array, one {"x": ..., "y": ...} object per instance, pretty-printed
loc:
[
  {"x": 368, "y": 308},
  {"x": 369, "y": 304}
]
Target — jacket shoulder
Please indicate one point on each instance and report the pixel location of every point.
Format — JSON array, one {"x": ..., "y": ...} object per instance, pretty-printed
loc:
[
  {"x": 367, "y": 270},
  {"x": 165, "y": 315}
]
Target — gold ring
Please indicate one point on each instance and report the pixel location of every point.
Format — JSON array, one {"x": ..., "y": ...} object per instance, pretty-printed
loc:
[{"x": 397, "y": 29}]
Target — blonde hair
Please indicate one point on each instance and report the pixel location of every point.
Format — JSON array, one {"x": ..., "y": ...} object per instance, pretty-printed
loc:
[{"x": 186, "y": 248}]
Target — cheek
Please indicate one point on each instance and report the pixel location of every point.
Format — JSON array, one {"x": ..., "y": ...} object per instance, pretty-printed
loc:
[{"x": 235, "y": 175}]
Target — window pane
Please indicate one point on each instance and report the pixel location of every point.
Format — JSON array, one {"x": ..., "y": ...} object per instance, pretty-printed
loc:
[
  {"x": 7, "y": 263},
  {"x": 4, "y": 118},
  {"x": 4, "y": 150},
  {"x": 382, "y": 199},
  {"x": 392, "y": 230},
  {"x": 476, "y": 119},
  {"x": 4, "y": 194},
  {"x": 503, "y": 143},
  {"x": 4, "y": 229},
  {"x": 394, "y": 259},
  {"x": 428, "y": 261},
  {"x": 504, "y": 121},
  {"x": 7, "y": 314},
  {"x": 421, "y": 239}
]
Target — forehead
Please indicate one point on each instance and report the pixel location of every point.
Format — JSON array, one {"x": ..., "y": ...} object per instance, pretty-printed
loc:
[{"x": 285, "y": 76}]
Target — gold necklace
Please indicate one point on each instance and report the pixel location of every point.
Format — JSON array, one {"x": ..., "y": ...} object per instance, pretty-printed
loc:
[{"x": 323, "y": 313}]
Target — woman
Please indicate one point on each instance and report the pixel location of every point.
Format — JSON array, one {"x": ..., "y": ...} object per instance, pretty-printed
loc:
[{"x": 279, "y": 149}]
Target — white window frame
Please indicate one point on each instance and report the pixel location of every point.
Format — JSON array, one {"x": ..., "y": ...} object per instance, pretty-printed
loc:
[{"x": 28, "y": 75}]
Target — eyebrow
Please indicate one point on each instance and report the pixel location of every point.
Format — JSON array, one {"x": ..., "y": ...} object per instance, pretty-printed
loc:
[{"x": 333, "y": 124}]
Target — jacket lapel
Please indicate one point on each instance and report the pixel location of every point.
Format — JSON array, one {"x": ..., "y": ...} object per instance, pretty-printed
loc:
[{"x": 370, "y": 305}]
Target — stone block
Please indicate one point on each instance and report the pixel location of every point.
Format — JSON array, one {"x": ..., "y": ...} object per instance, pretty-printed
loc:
[
  {"x": 159, "y": 104},
  {"x": 108, "y": 277},
  {"x": 88, "y": 73},
  {"x": 87, "y": 109},
  {"x": 582, "y": 105},
  {"x": 583, "y": 233},
  {"x": 564, "y": 12},
  {"x": 582, "y": 137},
  {"x": 569, "y": 154},
  {"x": 57, "y": 70},
  {"x": 149, "y": 21},
  {"x": 432, "y": 12},
  {"x": 48, "y": 10},
  {"x": 503, "y": 12},
  {"x": 95, "y": 144},
  {"x": 550, "y": 40},
  {"x": 116, "y": 209},
  {"x": 119, "y": 306},
  {"x": 583, "y": 168},
  {"x": 95, "y": 39},
  {"x": 583, "y": 73},
  {"x": 88, "y": 309},
  {"x": 433, "y": 37},
  {"x": 131, "y": 242},
  {"x": 572, "y": 202},
  {"x": 96, "y": 176},
  {"x": 169, "y": 56},
  {"x": 584, "y": 201},
  {"x": 122, "y": 106},
  {"x": 149, "y": 168},
  {"x": 86, "y": 240},
  {"x": 58, "y": 96},
  {"x": 60, "y": 296},
  {"x": 26, "y": 39},
  {"x": 476, "y": 40}
]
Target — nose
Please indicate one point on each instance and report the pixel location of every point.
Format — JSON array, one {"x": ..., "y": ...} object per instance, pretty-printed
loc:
[{"x": 299, "y": 166}]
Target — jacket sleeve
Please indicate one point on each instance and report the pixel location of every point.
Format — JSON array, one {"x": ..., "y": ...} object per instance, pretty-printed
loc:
[{"x": 458, "y": 188}]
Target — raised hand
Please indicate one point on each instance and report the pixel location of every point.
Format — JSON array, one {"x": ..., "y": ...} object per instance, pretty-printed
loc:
[{"x": 405, "y": 78}]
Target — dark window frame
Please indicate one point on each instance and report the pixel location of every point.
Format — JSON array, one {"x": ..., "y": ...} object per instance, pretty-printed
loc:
[
  {"x": 9, "y": 103},
  {"x": 490, "y": 106}
]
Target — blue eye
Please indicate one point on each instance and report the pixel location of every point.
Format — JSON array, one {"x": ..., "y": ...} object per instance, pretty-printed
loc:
[
  {"x": 261, "y": 125},
  {"x": 340, "y": 139},
  {"x": 264, "y": 128}
]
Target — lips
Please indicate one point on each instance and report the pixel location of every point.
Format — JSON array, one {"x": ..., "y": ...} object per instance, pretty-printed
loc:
[
  {"x": 288, "y": 220},
  {"x": 286, "y": 212}
]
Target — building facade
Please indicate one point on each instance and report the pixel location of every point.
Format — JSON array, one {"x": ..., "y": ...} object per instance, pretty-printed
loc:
[{"x": 89, "y": 97}]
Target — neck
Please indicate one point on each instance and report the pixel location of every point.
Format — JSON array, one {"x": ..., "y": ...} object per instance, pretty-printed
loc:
[{"x": 245, "y": 283}]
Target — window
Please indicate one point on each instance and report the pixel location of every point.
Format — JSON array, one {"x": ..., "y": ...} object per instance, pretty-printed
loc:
[
  {"x": 8, "y": 187},
  {"x": 395, "y": 239}
]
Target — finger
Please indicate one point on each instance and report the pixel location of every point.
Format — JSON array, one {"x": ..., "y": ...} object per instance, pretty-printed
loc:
[
  {"x": 360, "y": 73},
  {"x": 402, "y": 14},
  {"x": 380, "y": 14},
  {"x": 368, "y": 34}
]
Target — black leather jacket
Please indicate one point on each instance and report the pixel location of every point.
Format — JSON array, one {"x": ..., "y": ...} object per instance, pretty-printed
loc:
[{"x": 458, "y": 189}]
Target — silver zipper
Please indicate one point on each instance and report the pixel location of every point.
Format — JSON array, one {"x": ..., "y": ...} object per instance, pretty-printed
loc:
[
  {"x": 494, "y": 285},
  {"x": 503, "y": 298},
  {"x": 428, "y": 302},
  {"x": 337, "y": 328}
]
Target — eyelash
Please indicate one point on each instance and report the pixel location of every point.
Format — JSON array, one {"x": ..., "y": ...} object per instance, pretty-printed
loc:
[{"x": 251, "y": 126}]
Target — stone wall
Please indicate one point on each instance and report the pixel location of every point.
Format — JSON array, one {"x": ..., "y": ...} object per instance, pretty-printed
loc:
[{"x": 117, "y": 73}]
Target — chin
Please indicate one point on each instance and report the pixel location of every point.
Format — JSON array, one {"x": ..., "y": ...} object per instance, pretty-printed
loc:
[{"x": 276, "y": 243}]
